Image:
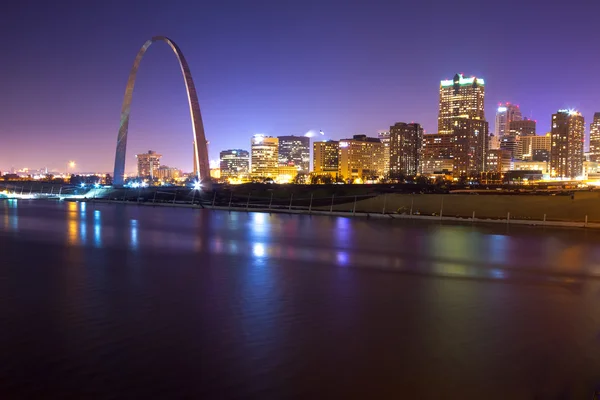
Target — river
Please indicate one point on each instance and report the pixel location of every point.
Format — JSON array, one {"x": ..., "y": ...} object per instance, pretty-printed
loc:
[{"x": 126, "y": 301}]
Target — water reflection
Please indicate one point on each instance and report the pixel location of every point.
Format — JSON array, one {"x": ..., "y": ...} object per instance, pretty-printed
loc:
[
  {"x": 97, "y": 229},
  {"x": 258, "y": 250},
  {"x": 72, "y": 226},
  {"x": 133, "y": 238}
]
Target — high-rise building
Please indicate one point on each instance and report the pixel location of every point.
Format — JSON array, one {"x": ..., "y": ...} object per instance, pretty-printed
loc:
[
  {"x": 325, "y": 157},
  {"x": 295, "y": 151},
  {"x": 360, "y": 158},
  {"x": 505, "y": 114},
  {"x": 524, "y": 127},
  {"x": 566, "y": 156},
  {"x": 470, "y": 146},
  {"x": 529, "y": 145},
  {"x": 234, "y": 163},
  {"x": 437, "y": 154},
  {"x": 385, "y": 139},
  {"x": 147, "y": 164},
  {"x": 595, "y": 138},
  {"x": 406, "y": 141},
  {"x": 265, "y": 157},
  {"x": 460, "y": 98}
]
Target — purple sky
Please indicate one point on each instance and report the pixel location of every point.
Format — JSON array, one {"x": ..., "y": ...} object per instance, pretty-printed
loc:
[{"x": 277, "y": 67}]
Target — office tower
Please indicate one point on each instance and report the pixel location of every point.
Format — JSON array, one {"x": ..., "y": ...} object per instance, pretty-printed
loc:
[
  {"x": 566, "y": 155},
  {"x": 505, "y": 114},
  {"x": 265, "y": 157},
  {"x": 460, "y": 98},
  {"x": 148, "y": 163},
  {"x": 325, "y": 157},
  {"x": 436, "y": 154},
  {"x": 295, "y": 151},
  {"x": 234, "y": 163},
  {"x": 529, "y": 146},
  {"x": 384, "y": 137},
  {"x": 595, "y": 138},
  {"x": 406, "y": 141},
  {"x": 524, "y": 127},
  {"x": 360, "y": 158},
  {"x": 470, "y": 145}
]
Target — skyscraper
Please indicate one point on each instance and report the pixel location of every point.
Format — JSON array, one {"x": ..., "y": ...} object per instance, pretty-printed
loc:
[
  {"x": 325, "y": 157},
  {"x": 462, "y": 115},
  {"x": 406, "y": 141},
  {"x": 437, "y": 153},
  {"x": 523, "y": 127},
  {"x": 234, "y": 163},
  {"x": 505, "y": 114},
  {"x": 148, "y": 164},
  {"x": 295, "y": 151},
  {"x": 470, "y": 146},
  {"x": 360, "y": 158},
  {"x": 566, "y": 158},
  {"x": 460, "y": 98},
  {"x": 595, "y": 138},
  {"x": 265, "y": 157},
  {"x": 384, "y": 137}
]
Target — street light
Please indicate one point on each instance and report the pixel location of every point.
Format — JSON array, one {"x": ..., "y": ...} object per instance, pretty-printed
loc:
[{"x": 70, "y": 164}]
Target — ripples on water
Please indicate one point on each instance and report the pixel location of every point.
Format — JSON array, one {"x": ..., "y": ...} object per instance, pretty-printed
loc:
[{"x": 131, "y": 301}]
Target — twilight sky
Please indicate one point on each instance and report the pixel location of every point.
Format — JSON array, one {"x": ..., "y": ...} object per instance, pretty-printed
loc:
[{"x": 277, "y": 67}]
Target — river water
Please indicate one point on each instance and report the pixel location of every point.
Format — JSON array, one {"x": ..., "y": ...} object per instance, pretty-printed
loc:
[{"x": 121, "y": 301}]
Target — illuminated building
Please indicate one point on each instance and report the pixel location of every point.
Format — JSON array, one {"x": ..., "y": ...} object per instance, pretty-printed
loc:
[
  {"x": 360, "y": 158},
  {"x": 286, "y": 173},
  {"x": 470, "y": 145},
  {"x": 529, "y": 146},
  {"x": 523, "y": 127},
  {"x": 498, "y": 160},
  {"x": 148, "y": 164},
  {"x": 215, "y": 173},
  {"x": 591, "y": 170},
  {"x": 295, "y": 151},
  {"x": 505, "y": 114},
  {"x": 165, "y": 173},
  {"x": 460, "y": 98},
  {"x": 265, "y": 157},
  {"x": 325, "y": 157},
  {"x": 436, "y": 154},
  {"x": 566, "y": 154},
  {"x": 234, "y": 163},
  {"x": 384, "y": 137},
  {"x": 531, "y": 166},
  {"x": 406, "y": 141},
  {"x": 595, "y": 138},
  {"x": 493, "y": 142}
]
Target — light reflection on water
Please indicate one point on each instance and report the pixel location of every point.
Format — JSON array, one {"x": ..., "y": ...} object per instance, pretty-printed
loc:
[{"x": 453, "y": 251}]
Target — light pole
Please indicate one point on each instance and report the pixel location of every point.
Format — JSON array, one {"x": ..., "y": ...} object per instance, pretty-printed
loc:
[{"x": 71, "y": 164}]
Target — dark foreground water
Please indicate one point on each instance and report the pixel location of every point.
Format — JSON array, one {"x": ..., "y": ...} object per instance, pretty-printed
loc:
[{"x": 113, "y": 301}]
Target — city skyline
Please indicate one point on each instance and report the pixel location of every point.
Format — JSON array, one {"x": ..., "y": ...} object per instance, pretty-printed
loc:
[{"x": 65, "y": 100}]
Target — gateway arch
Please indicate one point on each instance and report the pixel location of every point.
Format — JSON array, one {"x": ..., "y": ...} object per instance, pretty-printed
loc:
[{"x": 201, "y": 165}]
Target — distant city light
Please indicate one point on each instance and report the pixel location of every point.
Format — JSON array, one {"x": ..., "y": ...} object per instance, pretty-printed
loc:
[
  {"x": 344, "y": 144},
  {"x": 502, "y": 109}
]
